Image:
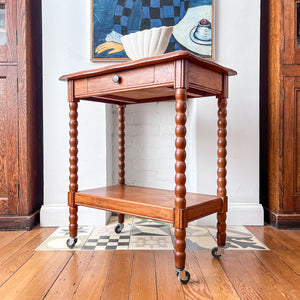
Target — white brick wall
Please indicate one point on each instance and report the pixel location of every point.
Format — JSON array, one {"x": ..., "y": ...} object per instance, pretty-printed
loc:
[{"x": 149, "y": 145}]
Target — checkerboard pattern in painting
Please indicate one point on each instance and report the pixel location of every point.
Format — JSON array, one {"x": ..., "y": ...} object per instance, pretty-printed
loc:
[
  {"x": 106, "y": 242},
  {"x": 155, "y": 13}
]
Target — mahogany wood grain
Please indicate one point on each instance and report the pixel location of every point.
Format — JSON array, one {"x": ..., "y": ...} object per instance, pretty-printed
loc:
[
  {"x": 180, "y": 75},
  {"x": 127, "y": 79},
  {"x": 22, "y": 55},
  {"x": 25, "y": 252},
  {"x": 94, "y": 277},
  {"x": 143, "y": 281},
  {"x": 180, "y": 178},
  {"x": 205, "y": 80},
  {"x": 281, "y": 199},
  {"x": 119, "y": 275},
  {"x": 218, "y": 283},
  {"x": 274, "y": 108},
  {"x": 121, "y": 134},
  {"x": 73, "y": 187},
  {"x": 156, "y": 60},
  {"x": 8, "y": 52},
  {"x": 70, "y": 277},
  {"x": 291, "y": 155},
  {"x": 290, "y": 32},
  {"x": 147, "y": 202},
  {"x": 9, "y": 142},
  {"x": 221, "y": 171},
  {"x": 29, "y": 59},
  {"x": 167, "y": 284},
  {"x": 35, "y": 278}
]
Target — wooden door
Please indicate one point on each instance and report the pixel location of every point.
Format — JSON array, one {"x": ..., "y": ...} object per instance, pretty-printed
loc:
[
  {"x": 9, "y": 173},
  {"x": 291, "y": 145},
  {"x": 8, "y": 32}
]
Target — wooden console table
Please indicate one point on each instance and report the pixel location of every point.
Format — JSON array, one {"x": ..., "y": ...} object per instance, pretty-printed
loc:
[{"x": 180, "y": 75}]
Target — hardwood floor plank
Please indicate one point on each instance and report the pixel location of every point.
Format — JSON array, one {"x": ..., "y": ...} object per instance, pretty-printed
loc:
[
  {"x": 197, "y": 287},
  {"x": 215, "y": 277},
  {"x": 264, "y": 237},
  {"x": 283, "y": 272},
  {"x": 26, "y": 274},
  {"x": 36, "y": 276},
  {"x": 94, "y": 277},
  {"x": 119, "y": 275},
  {"x": 17, "y": 243},
  {"x": 295, "y": 235},
  {"x": 290, "y": 258},
  {"x": 282, "y": 236},
  {"x": 143, "y": 283},
  {"x": 296, "y": 294},
  {"x": 238, "y": 275},
  {"x": 70, "y": 276},
  {"x": 268, "y": 286},
  {"x": 168, "y": 286},
  {"x": 10, "y": 266},
  {"x": 6, "y": 237}
]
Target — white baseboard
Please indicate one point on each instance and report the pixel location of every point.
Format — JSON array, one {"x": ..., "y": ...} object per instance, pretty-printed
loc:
[
  {"x": 59, "y": 216},
  {"x": 238, "y": 214}
]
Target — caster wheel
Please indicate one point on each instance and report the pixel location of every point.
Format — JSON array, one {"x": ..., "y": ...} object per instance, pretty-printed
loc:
[
  {"x": 183, "y": 276},
  {"x": 217, "y": 252},
  {"x": 71, "y": 242},
  {"x": 119, "y": 227}
]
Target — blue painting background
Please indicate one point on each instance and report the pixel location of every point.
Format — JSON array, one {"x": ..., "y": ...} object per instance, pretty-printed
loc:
[{"x": 103, "y": 11}]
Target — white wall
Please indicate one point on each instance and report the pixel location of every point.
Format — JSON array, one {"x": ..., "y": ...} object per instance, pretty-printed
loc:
[
  {"x": 150, "y": 145},
  {"x": 149, "y": 128},
  {"x": 66, "y": 38}
]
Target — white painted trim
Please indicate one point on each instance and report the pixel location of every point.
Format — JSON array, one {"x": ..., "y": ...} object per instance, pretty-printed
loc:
[
  {"x": 238, "y": 214},
  {"x": 59, "y": 216}
]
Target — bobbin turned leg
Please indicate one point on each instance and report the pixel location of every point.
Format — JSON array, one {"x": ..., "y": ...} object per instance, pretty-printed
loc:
[
  {"x": 221, "y": 192},
  {"x": 121, "y": 180},
  {"x": 180, "y": 191},
  {"x": 73, "y": 187}
]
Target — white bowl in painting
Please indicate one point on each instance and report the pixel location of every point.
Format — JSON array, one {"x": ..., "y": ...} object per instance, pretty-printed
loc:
[{"x": 149, "y": 42}]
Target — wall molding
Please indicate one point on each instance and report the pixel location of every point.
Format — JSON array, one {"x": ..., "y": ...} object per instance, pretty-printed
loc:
[{"x": 59, "y": 216}]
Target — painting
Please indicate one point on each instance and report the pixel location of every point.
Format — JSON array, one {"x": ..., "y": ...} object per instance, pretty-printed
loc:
[{"x": 192, "y": 21}]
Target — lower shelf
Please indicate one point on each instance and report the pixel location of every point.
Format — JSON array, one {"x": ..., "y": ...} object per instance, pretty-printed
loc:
[{"x": 149, "y": 203}]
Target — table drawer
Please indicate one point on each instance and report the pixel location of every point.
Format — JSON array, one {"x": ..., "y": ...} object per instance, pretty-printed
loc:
[{"x": 115, "y": 81}]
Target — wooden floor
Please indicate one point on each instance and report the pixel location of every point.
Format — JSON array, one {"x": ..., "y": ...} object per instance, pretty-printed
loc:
[{"x": 26, "y": 274}]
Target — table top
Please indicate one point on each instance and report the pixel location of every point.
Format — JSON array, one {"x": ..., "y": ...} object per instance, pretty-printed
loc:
[
  {"x": 150, "y": 79},
  {"x": 177, "y": 55}
]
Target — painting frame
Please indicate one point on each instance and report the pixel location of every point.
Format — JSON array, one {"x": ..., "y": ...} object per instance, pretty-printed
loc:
[{"x": 100, "y": 34}]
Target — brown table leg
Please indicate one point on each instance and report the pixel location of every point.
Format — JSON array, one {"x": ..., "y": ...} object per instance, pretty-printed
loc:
[
  {"x": 180, "y": 190},
  {"x": 73, "y": 187},
  {"x": 222, "y": 133},
  {"x": 121, "y": 180}
]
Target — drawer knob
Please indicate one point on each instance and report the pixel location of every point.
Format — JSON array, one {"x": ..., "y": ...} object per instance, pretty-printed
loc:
[{"x": 116, "y": 79}]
